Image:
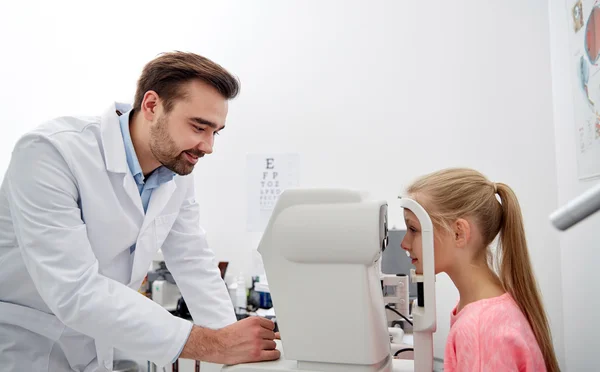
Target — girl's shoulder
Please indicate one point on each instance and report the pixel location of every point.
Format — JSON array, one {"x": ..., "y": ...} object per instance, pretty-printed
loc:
[{"x": 489, "y": 314}]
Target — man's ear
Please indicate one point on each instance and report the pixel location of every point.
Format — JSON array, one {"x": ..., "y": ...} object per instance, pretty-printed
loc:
[
  {"x": 462, "y": 232},
  {"x": 149, "y": 105}
]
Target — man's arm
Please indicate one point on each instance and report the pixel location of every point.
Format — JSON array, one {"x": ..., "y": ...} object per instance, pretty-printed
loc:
[
  {"x": 43, "y": 200},
  {"x": 192, "y": 263}
]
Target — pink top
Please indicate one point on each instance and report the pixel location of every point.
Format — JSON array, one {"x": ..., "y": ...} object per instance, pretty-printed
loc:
[{"x": 492, "y": 335}]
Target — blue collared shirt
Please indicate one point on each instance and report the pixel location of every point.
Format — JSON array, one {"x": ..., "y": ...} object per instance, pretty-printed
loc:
[{"x": 156, "y": 178}]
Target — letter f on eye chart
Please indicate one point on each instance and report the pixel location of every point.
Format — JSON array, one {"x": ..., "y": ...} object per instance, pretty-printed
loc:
[{"x": 267, "y": 176}]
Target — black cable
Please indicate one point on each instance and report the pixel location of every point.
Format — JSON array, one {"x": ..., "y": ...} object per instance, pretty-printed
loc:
[
  {"x": 403, "y": 350},
  {"x": 397, "y": 312}
]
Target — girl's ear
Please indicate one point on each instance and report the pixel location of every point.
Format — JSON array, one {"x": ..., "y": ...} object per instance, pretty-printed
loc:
[{"x": 462, "y": 232}]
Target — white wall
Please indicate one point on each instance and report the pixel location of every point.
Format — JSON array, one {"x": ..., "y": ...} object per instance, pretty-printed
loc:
[
  {"x": 579, "y": 245},
  {"x": 371, "y": 94}
]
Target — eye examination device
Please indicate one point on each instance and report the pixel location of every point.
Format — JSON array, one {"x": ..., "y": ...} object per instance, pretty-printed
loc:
[
  {"x": 321, "y": 252},
  {"x": 577, "y": 209}
]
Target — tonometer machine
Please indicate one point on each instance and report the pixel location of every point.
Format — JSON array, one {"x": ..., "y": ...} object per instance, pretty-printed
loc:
[{"x": 321, "y": 252}]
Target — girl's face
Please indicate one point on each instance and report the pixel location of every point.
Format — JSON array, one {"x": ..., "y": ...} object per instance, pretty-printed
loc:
[{"x": 413, "y": 244}]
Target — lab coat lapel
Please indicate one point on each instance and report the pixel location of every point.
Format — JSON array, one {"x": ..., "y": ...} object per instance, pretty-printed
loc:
[
  {"x": 146, "y": 244},
  {"x": 133, "y": 192}
]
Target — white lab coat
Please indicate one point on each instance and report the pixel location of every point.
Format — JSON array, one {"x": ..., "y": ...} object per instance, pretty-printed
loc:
[{"x": 69, "y": 211}]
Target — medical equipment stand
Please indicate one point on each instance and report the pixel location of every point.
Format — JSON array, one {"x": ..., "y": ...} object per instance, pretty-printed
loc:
[{"x": 424, "y": 313}]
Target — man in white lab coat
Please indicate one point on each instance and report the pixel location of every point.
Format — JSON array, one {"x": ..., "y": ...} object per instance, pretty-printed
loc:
[{"x": 85, "y": 204}]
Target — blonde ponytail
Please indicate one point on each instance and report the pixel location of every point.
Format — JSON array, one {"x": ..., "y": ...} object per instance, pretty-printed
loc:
[{"x": 516, "y": 273}]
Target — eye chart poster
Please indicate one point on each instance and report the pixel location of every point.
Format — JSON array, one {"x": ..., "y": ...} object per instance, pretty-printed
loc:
[{"x": 267, "y": 176}]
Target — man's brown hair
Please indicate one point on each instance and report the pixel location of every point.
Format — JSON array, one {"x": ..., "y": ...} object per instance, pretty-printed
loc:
[{"x": 169, "y": 71}]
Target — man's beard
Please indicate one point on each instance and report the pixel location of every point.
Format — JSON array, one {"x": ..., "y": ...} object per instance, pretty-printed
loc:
[{"x": 165, "y": 150}]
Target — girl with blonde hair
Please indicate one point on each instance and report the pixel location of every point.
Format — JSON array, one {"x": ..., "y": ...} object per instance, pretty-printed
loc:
[{"x": 499, "y": 323}]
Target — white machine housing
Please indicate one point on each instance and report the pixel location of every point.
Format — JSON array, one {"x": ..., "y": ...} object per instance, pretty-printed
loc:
[
  {"x": 320, "y": 252},
  {"x": 315, "y": 236},
  {"x": 165, "y": 294}
]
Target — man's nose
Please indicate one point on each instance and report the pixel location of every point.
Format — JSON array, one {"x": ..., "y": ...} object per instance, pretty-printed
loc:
[{"x": 206, "y": 146}]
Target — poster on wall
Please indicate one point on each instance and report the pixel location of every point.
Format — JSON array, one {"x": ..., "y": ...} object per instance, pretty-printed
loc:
[
  {"x": 267, "y": 176},
  {"x": 584, "y": 40}
]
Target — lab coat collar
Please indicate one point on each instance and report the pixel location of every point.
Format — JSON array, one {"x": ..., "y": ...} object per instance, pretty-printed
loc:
[{"x": 112, "y": 139}]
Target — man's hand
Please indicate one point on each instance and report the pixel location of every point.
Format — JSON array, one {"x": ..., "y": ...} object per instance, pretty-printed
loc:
[{"x": 248, "y": 340}]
